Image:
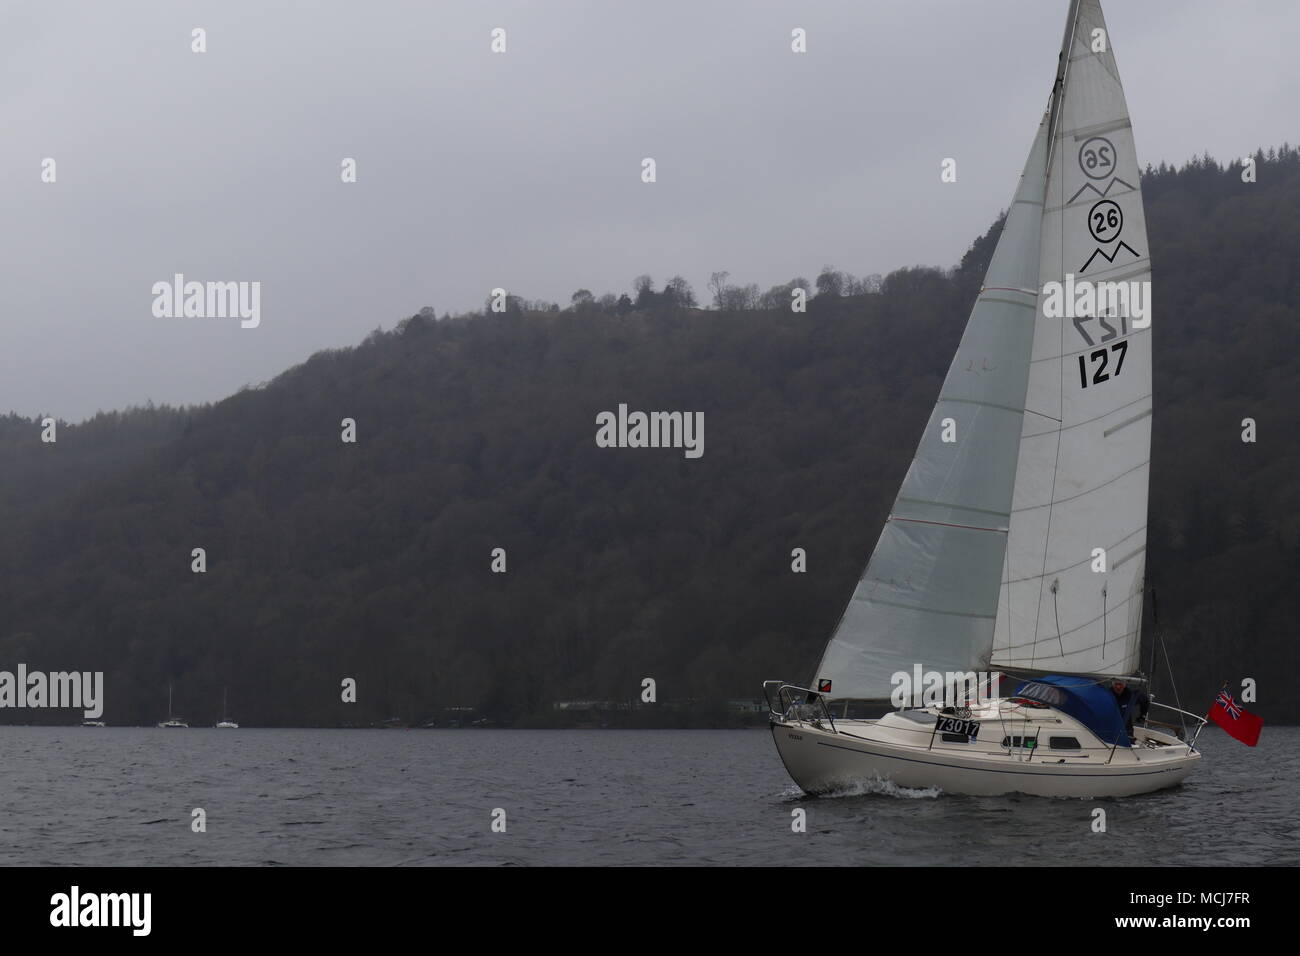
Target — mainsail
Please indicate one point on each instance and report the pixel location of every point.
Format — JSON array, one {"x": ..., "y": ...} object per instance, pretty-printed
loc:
[
  {"x": 1036, "y": 451},
  {"x": 1072, "y": 584}
]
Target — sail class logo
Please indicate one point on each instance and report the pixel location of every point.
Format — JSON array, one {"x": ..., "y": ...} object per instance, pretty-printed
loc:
[
  {"x": 75, "y": 908},
  {"x": 1085, "y": 299},
  {"x": 58, "y": 689},
  {"x": 204, "y": 300},
  {"x": 935, "y": 688},
  {"x": 626, "y": 429}
]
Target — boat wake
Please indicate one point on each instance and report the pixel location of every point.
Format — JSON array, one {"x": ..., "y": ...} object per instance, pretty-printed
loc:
[{"x": 867, "y": 788}]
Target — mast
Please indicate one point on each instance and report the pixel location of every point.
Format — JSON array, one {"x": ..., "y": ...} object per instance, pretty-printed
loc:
[{"x": 1058, "y": 86}]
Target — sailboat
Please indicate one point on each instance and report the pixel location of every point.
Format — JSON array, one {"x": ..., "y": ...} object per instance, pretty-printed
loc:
[
  {"x": 225, "y": 723},
  {"x": 1016, "y": 544},
  {"x": 171, "y": 721}
]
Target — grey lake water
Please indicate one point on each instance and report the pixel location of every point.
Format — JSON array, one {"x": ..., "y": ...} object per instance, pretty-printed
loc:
[{"x": 124, "y": 796}]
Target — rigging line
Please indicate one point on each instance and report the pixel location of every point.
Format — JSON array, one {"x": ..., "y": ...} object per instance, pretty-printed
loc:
[
  {"x": 1075, "y": 630},
  {"x": 1103, "y": 622},
  {"x": 1076, "y": 564},
  {"x": 1155, "y": 628},
  {"x": 1087, "y": 421},
  {"x": 1078, "y": 650},
  {"x": 1033, "y": 648},
  {"x": 1056, "y": 608},
  {"x": 1087, "y": 491},
  {"x": 1055, "y": 119},
  {"x": 1058, "y": 105},
  {"x": 1006, "y": 573},
  {"x": 1172, "y": 683},
  {"x": 1051, "y": 505}
]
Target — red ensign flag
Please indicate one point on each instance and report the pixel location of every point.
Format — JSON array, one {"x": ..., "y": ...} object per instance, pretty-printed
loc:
[{"x": 1233, "y": 718}]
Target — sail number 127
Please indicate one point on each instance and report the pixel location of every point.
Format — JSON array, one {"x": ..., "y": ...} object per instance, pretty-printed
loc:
[{"x": 1097, "y": 362}]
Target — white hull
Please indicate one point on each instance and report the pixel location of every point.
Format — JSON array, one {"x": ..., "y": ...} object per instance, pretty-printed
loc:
[{"x": 905, "y": 751}]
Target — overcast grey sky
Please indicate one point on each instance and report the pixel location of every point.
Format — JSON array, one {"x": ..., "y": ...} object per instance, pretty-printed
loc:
[{"x": 522, "y": 169}]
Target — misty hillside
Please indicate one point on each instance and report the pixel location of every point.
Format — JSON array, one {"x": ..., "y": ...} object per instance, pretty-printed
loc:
[{"x": 372, "y": 560}]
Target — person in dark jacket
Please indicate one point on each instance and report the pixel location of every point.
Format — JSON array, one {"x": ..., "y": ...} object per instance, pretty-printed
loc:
[{"x": 1133, "y": 704}]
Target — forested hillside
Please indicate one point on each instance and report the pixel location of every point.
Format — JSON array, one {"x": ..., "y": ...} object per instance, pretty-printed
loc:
[{"x": 372, "y": 559}]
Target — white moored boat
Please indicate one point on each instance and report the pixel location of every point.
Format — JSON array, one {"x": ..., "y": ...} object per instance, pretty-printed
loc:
[
  {"x": 225, "y": 723},
  {"x": 1017, "y": 542},
  {"x": 172, "y": 722}
]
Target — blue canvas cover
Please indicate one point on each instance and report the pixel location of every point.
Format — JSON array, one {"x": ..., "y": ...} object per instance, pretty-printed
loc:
[{"x": 1088, "y": 702}]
